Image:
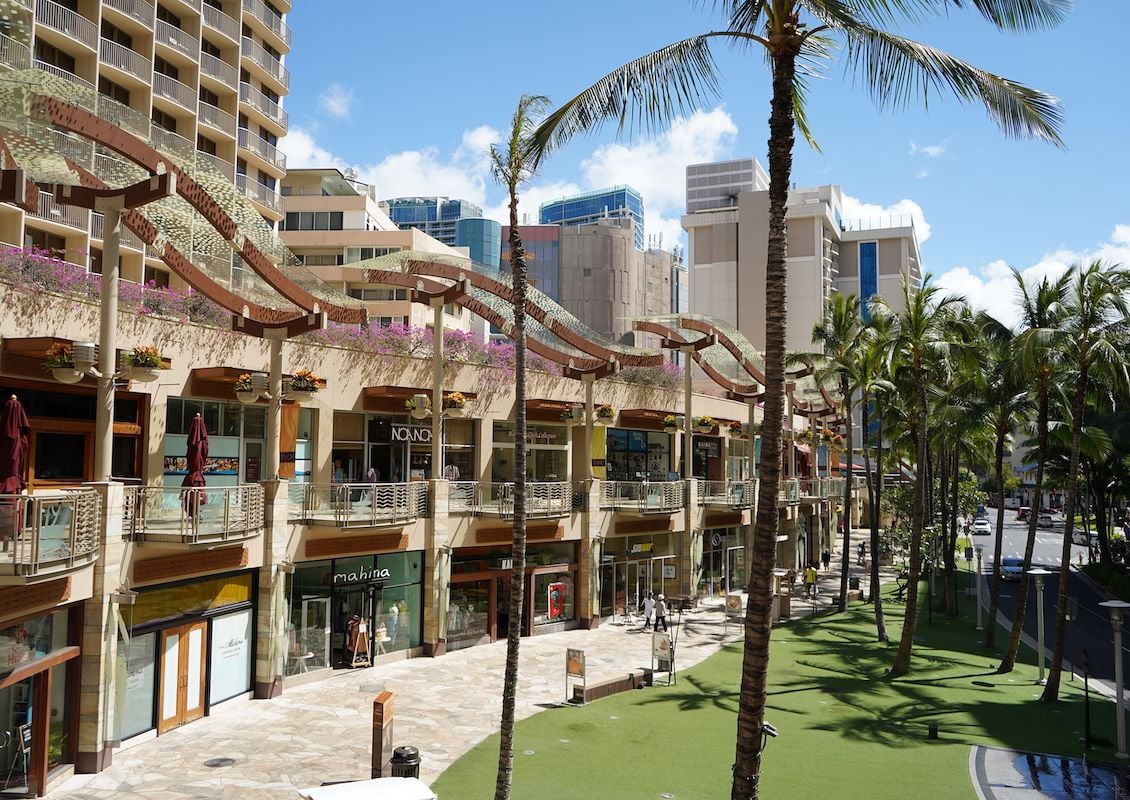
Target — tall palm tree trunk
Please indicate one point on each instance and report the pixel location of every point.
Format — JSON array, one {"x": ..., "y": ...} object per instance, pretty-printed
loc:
[
  {"x": 951, "y": 539},
  {"x": 504, "y": 779},
  {"x": 1051, "y": 688},
  {"x": 994, "y": 592},
  {"x": 1008, "y": 662},
  {"x": 941, "y": 538},
  {"x": 758, "y": 624},
  {"x": 845, "y": 561},
  {"x": 901, "y": 665},
  {"x": 874, "y": 486}
]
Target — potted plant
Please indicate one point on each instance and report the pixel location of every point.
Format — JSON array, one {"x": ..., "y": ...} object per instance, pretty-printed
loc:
[
  {"x": 573, "y": 415},
  {"x": 605, "y": 413},
  {"x": 804, "y": 435},
  {"x": 421, "y": 410},
  {"x": 704, "y": 424},
  {"x": 61, "y": 361},
  {"x": 671, "y": 423},
  {"x": 737, "y": 430},
  {"x": 838, "y": 440},
  {"x": 453, "y": 403},
  {"x": 244, "y": 390},
  {"x": 303, "y": 385},
  {"x": 143, "y": 364}
]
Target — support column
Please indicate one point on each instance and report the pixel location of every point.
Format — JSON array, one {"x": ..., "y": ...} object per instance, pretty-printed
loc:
[
  {"x": 751, "y": 470},
  {"x": 592, "y": 553},
  {"x": 271, "y": 610},
  {"x": 588, "y": 379},
  {"x": 690, "y": 544},
  {"x": 274, "y": 406},
  {"x": 437, "y": 388},
  {"x": 437, "y": 571},
  {"x": 107, "y": 340}
]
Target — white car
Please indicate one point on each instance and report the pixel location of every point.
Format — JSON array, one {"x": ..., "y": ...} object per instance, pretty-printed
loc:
[
  {"x": 1048, "y": 522},
  {"x": 982, "y": 527},
  {"x": 1080, "y": 537}
]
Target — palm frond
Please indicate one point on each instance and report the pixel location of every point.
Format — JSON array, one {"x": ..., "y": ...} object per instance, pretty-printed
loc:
[{"x": 1020, "y": 15}]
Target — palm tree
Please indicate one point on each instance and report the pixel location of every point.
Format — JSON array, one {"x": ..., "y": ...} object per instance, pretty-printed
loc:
[
  {"x": 796, "y": 36},
  {"x": 1092, "y": 339},
  {"x": 922, "y": 337},
  {"x": 1041, "y": 314},
  {"x": 512, "y": 166}
]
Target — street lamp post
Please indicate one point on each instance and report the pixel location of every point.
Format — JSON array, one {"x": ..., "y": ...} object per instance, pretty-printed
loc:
[
  {"x": 980, "y": 554},
  {"x": 1038, "y": 573},
  {"x": 1116, "y": 608}
]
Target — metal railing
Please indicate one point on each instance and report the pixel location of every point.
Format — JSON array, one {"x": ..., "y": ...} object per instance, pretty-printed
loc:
[
  {"x": 218, "y": 69},
  {"x": 48, "y": 209},
  {"x": 172, "y": 89},
  {"x": 191, "y": 515},
  {"x": 262, "y": 148},
  {"x": 543, "y": 498},
  {"x": 181, "y": 41},
  {"x": 62, "y": 73},
  {"x": 127, "y": 237},
  {"x": 14, "y": 54},
  {"x": 644, "y": 496},
  {"x": 216, "y": 117},
  {"x": 172, "y": 142},
  {"x": 258, "y": 191},
  {"x": 121, "y": 57},
  {"x": 359, "y": 505},
  {"x": 274, "y": 23},
  {"x": 257, "y": 99},
  {"x": 72, "y": 146},
  {"x": 226, "y": 168},
  {"x": 140, "y": 10},
  {"x": 48, "y": 533},
  {"x": 789, "y": 490},
  {"x": 62, "y": 19},
  {"x": 728, "y": 494},
  {"x": 258, "y": 54},
  {"x": 217, "y": 20}
]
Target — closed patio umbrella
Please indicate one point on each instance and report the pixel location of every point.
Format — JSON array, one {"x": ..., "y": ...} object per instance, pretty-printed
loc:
[
  {"x": 13, "y": 447},
  {"x": 196, "y": 456}
]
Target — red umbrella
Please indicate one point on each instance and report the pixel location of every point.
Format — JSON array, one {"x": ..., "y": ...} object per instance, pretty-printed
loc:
[
  {"x": 197, "y": 455},
  {"x": 13, "y": 447}
]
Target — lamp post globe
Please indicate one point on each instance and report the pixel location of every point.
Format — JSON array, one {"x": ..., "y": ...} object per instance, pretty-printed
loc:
[{"x": 1117, "y": 609}]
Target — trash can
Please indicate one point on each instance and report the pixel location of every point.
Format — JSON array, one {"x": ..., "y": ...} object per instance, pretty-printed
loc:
[
  {"x": 853, "y": 582},
  {"x": 405, "y": 762}
]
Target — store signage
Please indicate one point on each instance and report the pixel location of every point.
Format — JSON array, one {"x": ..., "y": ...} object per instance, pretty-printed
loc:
[
  {"x": 574, "y": 663},
  {"x": 415, "y": 434},
  {"x": 362, "y": 575}
]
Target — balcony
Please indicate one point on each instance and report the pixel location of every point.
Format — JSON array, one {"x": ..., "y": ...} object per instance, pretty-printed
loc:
[
  {"x": 139, "y": 10},
  {"x": 265, "y": 105},
  {"x": 788, "y": 491},
  {"x": 226, "y": 168},
  {"x": 358, "y": 505},
  {"x": 262, "y": 148},
  {"x": 183, "y": 42},
  {"x": 62, "y": 73},
  {"x": 49, "y": 210},
  {"x": 126, "y": 238},
  {"x": 259, "y": 55},
  {"x": 122, "y": 58},
  {"x": 193, "y": 516},
  {"x": 175, "y": 91},
  {"x": 14, "y": 54},
  {"x": 170, "y": 142},
  {"x": 219, "y": 21},
  {"x": 273, "y": 22},
  {"x": 259, "y": 192},
  {"x": 643, "y": 497},
  {"x": 215, "y": 117},
  {"x": 543, "y": 499},
  {"x": 48, "y": 534},
  {"x": 727, "y": 494},
  {"x": 212, "y": 67},
  {"x": 72, "y": 146},
  {"x": 60, "y": 18}
]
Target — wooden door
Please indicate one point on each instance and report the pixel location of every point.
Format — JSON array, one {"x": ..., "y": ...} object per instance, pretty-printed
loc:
[{"x": 183, "y": 675}]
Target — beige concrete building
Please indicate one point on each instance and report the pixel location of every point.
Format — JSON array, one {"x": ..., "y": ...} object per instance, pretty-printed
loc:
[
  {"x": 209, "y": 75},
  {"x": 826, "y": 253}
]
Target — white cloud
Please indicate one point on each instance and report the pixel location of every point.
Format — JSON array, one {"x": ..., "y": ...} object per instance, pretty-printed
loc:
[
  {"x": 302, "y": 152},
  {"x": 993, "y": 288},
  {"x": 929, "y": 150},
  {"x": 337, "y": 101},
  {"x": 892, "y": 215}
]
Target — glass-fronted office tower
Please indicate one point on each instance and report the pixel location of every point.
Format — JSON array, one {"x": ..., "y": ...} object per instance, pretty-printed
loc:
[{"x": 581, "y": 209}]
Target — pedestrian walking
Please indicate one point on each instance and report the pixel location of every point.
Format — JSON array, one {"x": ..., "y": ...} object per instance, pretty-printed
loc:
[
  {"x": 660, "y": 612},
  {"x": 648, "y": 610},
  {"x": 826, "y": 557},
  {"x": 862, "y": 553},
  {"x": 810, "y": 580}
]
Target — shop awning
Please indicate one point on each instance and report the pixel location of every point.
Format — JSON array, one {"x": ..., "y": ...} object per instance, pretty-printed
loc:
[
  {"x": 803, "y": 448},
  {"x": 650, "y": 419},
  {"x": 24, "y": 357}
]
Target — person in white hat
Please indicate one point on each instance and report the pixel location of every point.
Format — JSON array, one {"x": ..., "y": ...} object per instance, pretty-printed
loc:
[{"x": 660, "y": 612}]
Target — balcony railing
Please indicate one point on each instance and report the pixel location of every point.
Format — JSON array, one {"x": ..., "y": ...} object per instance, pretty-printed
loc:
[
  {"x": 257, "y": 53},
  {"x": 258, "y": 191},
  {"x": 193, "y": 515},
  {"x": 62, "y": 19},
  {"x": 789, "y": 490},
  {"x": 646, "y": 497},
  {"x": 274, "y": 23},
  {"x": 140, "y": 10},
  {"x": 215, "y": 117},
  {"x": 218, "y": 69},
  {"x": 121, "y": 57},
  {"x": 727, "y": 494},
  {"x": 262, "y": 148},
  {"x": 51, "y": 211},
  {"x": 14, "y": 54},
  {"x": 171, "y": 142},
  {"x": 45, "y": 534},
  {"x": 358, "y": 505},
  {"x": 127, "y": 238},
  {"x": 226, "y": 168},
  {"x": 219, "y": 21},
  {"x": 174, "y": 90},
  {"x": 73, "y": 147},
  {"x": 256, "y": 99},
  {"x": 179, "y": 40},
  {"x": 62, "y": 73},
  {"x": 543, "y": 498}
]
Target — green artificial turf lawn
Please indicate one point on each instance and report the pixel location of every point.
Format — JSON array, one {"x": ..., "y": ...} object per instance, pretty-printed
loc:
[{"x": 846, "y": 730}]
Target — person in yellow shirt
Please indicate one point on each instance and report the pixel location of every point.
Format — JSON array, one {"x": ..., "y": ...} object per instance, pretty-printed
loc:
[{"x": 810, "y": 580}]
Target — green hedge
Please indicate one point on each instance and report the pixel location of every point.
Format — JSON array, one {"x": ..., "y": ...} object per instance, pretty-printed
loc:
[{"x": 1113, "y": 579}]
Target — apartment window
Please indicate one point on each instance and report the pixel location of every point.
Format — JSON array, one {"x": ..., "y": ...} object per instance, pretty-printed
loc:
[
  {"x": 165, "y": 68},
  {"x": 274, "y": 53},
  {"x": 353, "y": 254},
  {"x": 112, "y": 90},
  {"x": 205, "y": 145},
  {"x": 209, "y": 97},
  {"x": 453, "y": 309},
  {"x": 379, "y": 295},
  {"x": 241, "y": 120},
  {"x": 210, "y": 49},
  {"x": 240, "y": 166},
  {"x": 271, "y": 6},
  {"x": 385, "y": 322},
  {"x": 313, "y": 221},
  {"x": 268, "y": 137},
  {"x": 321, "y": 260},
  {"x": 116, "y": 34},
  {"x": 164, "y": 120},
  {"x": 272, "y": 96},
  {"x": 270, "y": 181},
  {"x": 53, "y": 55},
  {"x": 214, "y": 4},
  {"x": 159, "y": 277},
  {"x": 165, "y": 15},
  {"x": 246, "y": 30},
  {"x": 41, "y": 240},
  {"x": 71, "y": 4},
  {"x": 244, "y": 75},
  {"x": 95, "y": 261}
]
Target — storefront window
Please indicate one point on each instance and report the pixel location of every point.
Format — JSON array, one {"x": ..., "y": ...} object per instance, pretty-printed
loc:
[
  {"x": 553, "y": 598},
  {"x": 141, "y": 677},
  {"x": 459, "y": 450},
  {"x": 547, "y": 452},
  {"x": 58, "y": 734},
  {"x": 235, "y": 440},
  {"x": 737, "y": 460},
  {"x": 32, "y": 639},
  {"x": 468, "y": 612},
  {"x": 231, "y": 655},
  {"x": 15, "y": 705},
  {"x": 348, "y": 447},
  {"x": 638, "y": 455}
]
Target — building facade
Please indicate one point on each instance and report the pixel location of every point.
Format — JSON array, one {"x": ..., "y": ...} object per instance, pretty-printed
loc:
[
  {"x": 454, "y": 222},
  {"x": 618, "y": 202}
]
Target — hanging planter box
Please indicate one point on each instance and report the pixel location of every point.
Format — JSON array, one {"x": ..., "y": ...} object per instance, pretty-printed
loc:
[
  {"x": 453, "y": 411},
  {"x": 672, "y": 429},
  {"x": 67, "y": 375},
  {"x": 604, "y": 420},
  {"x": 247, "y": 397},
  {"x": 143, "y": 374},
  {"x": 300, "y": 395},
  {"x": 420, "y": 413},
  {"x": 703, "y": 428}
]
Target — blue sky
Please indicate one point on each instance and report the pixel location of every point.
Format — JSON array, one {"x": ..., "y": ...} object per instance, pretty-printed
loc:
[{"x": 411, "y": 94}]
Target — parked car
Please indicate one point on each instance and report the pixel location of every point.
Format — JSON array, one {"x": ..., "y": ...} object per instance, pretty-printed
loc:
[
  {"x": 982, "y": 527},
  {"x": 1012, "y": 567},
  {"x": 1048, "y": 522},
  {"x": 1080, "y": 537},
  {"x": 1022, "y": 513}
]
